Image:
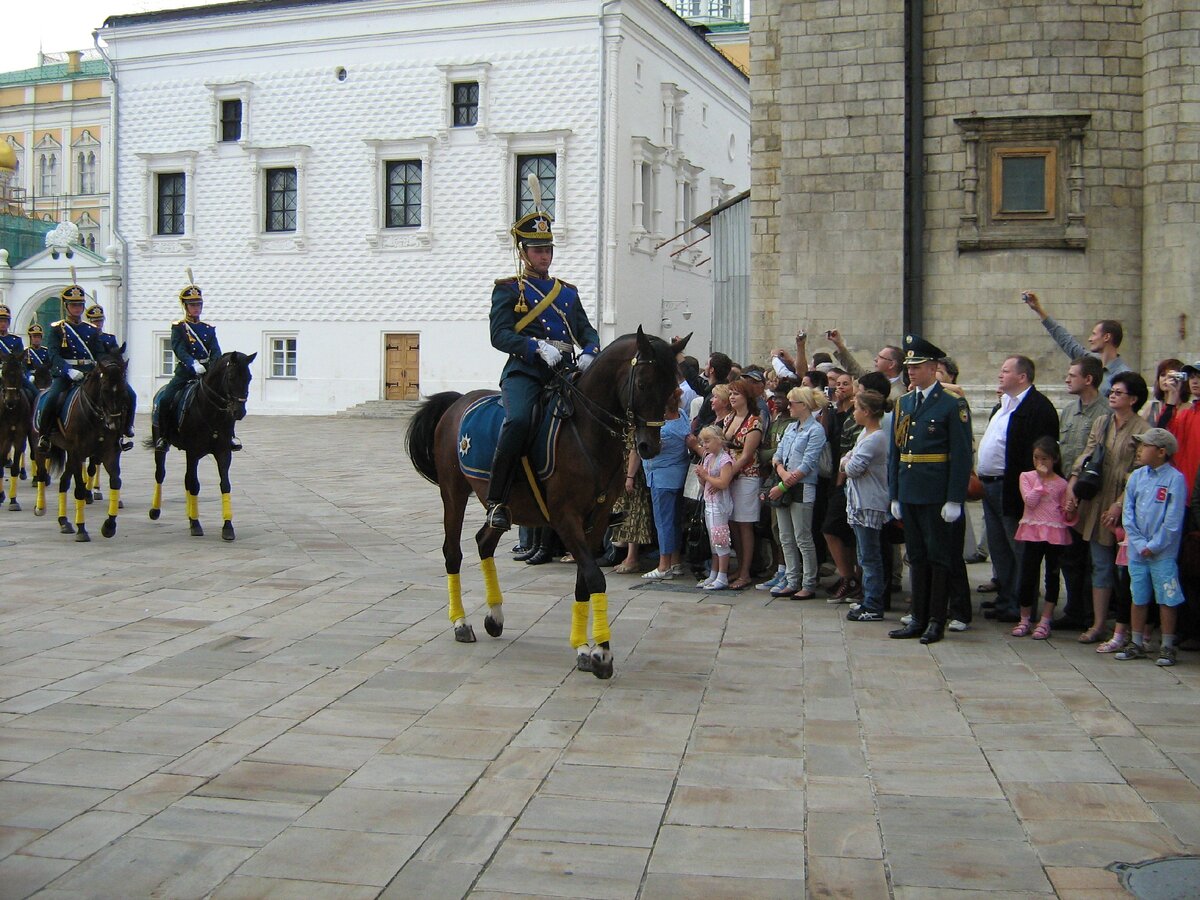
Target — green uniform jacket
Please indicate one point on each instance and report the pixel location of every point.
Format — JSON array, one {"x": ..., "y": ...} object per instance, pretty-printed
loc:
[{"x": 940, "y": 427}]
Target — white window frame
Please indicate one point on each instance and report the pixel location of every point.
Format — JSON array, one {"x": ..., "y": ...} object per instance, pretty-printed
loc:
[
  {"x": 233, "y": 90},
  {"x": 88, "y": 228},
  {"x": 262, "y": 159},
  {"x": 452, "y": 75},
  {"x": 647, "y": 204},
  {"x": 48, "y": 152},
  {"x": 82, "y": 147},
  {"x": 153, "y": 165},
  {"x": 270, "y": 341},
  {"x": 672, "y": 106},
  {"x": 380, "y": 153},
  {"x": 163, "y": 353},
  {"x": 525, "y": 144}
]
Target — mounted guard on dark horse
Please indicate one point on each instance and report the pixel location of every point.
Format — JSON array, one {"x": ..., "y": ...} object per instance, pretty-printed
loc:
[
  {"x": 199, "y": 408},
  {"x": 16, "y": 407},
  {"x": 570, "y": 477},
  {"x": 84, "y": 415}
]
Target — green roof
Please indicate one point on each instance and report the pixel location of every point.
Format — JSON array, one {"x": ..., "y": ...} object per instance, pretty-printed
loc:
[
  {"x": 23, "y": 237},
  {"x": 89, "y": 68}
]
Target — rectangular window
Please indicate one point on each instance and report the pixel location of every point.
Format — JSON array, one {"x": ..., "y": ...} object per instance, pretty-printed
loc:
[
  {"x": 283, "y": 357},
  {"x": 466, "y": 104},
  {"x": 544, "y": 167},
  {"x": 166, "y": 358},
  {"x": 86, "y": 165},
  {"x": 281, "y": 199},
  {"x": 1023, "y": 182},
  {"x": 403, "y": 194},
  {"x": 171, "y": 202},
  {"x": 231, "y": 120}
]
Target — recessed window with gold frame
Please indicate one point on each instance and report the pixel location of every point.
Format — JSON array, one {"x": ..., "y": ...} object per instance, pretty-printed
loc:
[{"x": 1024, "y": 182}]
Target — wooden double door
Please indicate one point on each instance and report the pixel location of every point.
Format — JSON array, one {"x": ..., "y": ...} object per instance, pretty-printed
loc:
[{"x": 402, "y": 367}]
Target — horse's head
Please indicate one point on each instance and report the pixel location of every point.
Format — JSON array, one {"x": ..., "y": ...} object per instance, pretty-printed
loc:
[
  {"x": 12, "y": 379},
  {"x": 645, "y": 374},
  {"x": 110, "y": 393},
  {"x": 229, "y": 383}
]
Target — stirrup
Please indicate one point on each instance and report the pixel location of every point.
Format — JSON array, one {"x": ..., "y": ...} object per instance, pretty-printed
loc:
[
  {"x": 43, "y": 443},
  {"x": 498, "y": 517},
  {"x": 234, "y": 444}
]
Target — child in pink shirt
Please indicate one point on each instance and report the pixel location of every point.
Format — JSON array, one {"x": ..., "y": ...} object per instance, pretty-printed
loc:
[{"x": 1044, "y": 529}]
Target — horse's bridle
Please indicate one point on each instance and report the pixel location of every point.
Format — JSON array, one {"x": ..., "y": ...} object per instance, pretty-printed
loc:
[
  {"x": 226, "y": 403},
  {"x": 615, "y": 425},
  {"x": 112, "y": 421}
]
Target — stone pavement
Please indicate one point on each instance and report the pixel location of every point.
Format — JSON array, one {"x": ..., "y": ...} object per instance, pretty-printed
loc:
[{"x": 289, "y": 716}]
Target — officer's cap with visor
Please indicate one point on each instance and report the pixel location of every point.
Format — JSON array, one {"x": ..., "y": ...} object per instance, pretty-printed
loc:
[
  {"x": 917, "y": 350},
  {"x": 35, "y": 328},
  {"x": 4, "y": 313}
]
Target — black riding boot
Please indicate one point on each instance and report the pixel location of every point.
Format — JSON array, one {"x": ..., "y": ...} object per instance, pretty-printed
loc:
[
  {"x": 504, "y": 469},
  {"x": 549, "y": 547}
]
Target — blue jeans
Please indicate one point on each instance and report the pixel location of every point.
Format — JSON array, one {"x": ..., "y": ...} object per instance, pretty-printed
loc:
[
  {"x": 870, "y": 557},
  {"x": 1006, "y": 553},
  {"x": 664, "y": 503}
]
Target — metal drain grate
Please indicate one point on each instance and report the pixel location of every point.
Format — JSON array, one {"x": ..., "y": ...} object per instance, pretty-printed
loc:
[{"x": 1168, "y": 878}]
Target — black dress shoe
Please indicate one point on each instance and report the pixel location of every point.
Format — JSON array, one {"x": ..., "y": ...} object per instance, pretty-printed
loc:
[
  {"x": 911, "y": 630},
  {"x": 539, "y": 557},
  {"x": 933, "y": 632},
  {"x": 611, "y": 558},
  {"x": 997, "y": 615},
  {"x": 525, "y": 554},
  {"x": 975, "y": 558}
]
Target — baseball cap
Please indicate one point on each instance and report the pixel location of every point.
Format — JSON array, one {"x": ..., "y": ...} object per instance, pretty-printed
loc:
[
  {"x": 1192, "y": 368},
  {"x": 1158, "y": 437}
]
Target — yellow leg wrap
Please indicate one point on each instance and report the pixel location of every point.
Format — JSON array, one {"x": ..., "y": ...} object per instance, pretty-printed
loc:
[
  {"x": 579, "y": 614},
  {"x": 454, "y": 587},
  {"x": 193, "y": 506},
  {"x": 95, "y": 479},
  {"x": 114, "y": 500},
  {"x": 40, "y": 502},
  {"x": 600, "y": 618},
  {"x": 227, "y": 507},
  {"x": 12, "y": 486},
  {"x": 80, "y": 505},
  {"x": 156, "y": 497},
  {"x": 62, "y": 504},
  {"x": 491, "y": 582}
]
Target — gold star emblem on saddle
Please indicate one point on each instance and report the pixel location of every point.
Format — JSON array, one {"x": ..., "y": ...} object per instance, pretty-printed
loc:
[{"x": 464, "y": 446}]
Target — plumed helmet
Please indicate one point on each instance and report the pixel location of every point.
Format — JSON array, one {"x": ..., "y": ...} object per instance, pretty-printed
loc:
[
  {"x": 191, "y": 294},
  {"x": 94, "y": 313},
  {"x": 73, "y": 293},
  {"x": 534, "y": 229},
  {"x": 35, "y": 328},
  {"x": 4, "y": 313}
]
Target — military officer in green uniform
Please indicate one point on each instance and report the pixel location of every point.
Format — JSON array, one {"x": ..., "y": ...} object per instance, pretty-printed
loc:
[
  {"x": 538, "y": 321},
  {"x": 929, "y": 465}
]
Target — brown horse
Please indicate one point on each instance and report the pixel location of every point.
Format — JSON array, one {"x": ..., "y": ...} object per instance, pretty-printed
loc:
[
  {"x": 627, "y": 387},
  {"x": 15, "y": 423},
  {"x": 91, "y": 423}
]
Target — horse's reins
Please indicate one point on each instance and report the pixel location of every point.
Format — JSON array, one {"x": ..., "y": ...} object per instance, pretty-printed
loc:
[
  {"x": 609, "y": 421},
  {"x": 110, "y": 420},
  {"x": 223, "y": 402}
]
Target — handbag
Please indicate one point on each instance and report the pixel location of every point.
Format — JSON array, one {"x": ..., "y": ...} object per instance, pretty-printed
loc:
[
  {"x": 825, "y": 464},
  {"x": 1091, "y": 473},
  {"x": 974, "y": 488}
]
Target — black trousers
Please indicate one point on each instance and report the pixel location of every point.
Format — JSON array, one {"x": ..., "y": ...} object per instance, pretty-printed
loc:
[
  {"x": 1075, "y": 562},
  {"x": 931, "y": 552},
  {"x": 1031, "y": 570}
]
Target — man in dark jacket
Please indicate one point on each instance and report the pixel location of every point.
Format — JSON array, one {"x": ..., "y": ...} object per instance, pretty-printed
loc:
[{"x": 1021, "y": 417}]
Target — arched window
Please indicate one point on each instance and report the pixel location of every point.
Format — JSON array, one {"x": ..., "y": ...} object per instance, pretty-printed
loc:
[
  {"x": 86, "y": 164},
  {"x": 47, "y": 174}
]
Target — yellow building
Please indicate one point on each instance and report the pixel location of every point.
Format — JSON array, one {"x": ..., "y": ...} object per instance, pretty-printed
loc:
[{"x": 55, "y": 118}]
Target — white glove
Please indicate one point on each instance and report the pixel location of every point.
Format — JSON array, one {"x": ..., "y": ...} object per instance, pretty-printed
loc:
[
  {"x": 895, "y": 509},
  {"x": 550, "y": 354},
  {"x": 198, "y": 367},
  {"x": 74, "y": 374},
  {"x": 586, "y": 360},
  {"x": 951, "y": 512}
]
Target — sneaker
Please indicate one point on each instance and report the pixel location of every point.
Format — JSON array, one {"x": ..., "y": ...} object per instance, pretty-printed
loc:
[
  {"x": 1133, "y": 651},
  {"x": 777, "y": 580},
  {"x": 658, "y": 575},
  {"x": 716, "y": 586},
  {"x": 906, "y": 619},
  {"x": 862, "y": 614},
  {"x": 957, "y": 625},
  {"x": 1166, "y": 656}
]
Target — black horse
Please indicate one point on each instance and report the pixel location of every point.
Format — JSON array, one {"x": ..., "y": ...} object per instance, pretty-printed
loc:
[
  {"x": 627, "y": 387},
  {"x": 206, "y": 427},
  {"x": 15, "y": 424}
]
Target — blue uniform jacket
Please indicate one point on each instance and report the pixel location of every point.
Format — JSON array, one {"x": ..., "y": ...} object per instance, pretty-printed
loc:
[
  {"x": 73, "y": 347},
  {"x": 929, "y": 460},
  {"x": 564, "y": 320},
  {"x": 11, "y": 343},
  {"x": 37, "y": 356},
  {"x": 193, "y": 342}
]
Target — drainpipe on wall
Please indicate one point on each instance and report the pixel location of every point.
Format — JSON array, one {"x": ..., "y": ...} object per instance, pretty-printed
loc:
[
  {"x": 113, "y": 185},
  {"x": 606, "y": 248},
  {"x": 913, "y": 311}
]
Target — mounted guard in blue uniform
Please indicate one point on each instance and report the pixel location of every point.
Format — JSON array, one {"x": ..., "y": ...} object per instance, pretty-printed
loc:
[
  {"x": 196, "y": 347},
  {"x": 539, "y": 321},
  {"x": 11, "y": 344},
  {"x": 74, "y": 347},
  {"x": 94, "y": 316}
]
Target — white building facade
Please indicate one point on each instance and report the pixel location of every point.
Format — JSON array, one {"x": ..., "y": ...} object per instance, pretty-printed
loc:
[{"x": 340, "y": 177}]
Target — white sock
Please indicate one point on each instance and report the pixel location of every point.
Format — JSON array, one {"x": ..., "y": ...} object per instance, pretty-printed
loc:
[{"x": 721, "y": 578}]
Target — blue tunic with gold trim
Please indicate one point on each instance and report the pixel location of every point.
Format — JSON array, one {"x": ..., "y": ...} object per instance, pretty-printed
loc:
[{"x": 564, "y": 320}]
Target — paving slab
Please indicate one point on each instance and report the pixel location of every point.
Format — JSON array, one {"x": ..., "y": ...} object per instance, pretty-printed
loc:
[{"x": 288, "y": 715}]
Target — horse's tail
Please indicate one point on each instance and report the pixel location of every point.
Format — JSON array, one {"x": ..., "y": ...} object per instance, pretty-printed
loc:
[
  {"x": 419, "y": 440},
  {"x": 56, "y": 461}
]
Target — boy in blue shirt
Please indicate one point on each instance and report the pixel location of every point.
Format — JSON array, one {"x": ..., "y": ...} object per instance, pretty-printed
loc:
[{"x": 1155, "y": 501}]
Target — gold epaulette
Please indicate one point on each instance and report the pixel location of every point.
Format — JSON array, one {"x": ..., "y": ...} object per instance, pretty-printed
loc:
[
  {"x": 511, "y": 279},
  {"x": 56, "y": 324},
  {"x": 568, "y": 284}
]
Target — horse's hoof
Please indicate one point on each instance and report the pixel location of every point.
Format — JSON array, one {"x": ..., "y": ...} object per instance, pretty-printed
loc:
[
  {"x": 194, "y": 528},
  {"x": 602, "y": 663},
  {"x": 89, "y": 499},
  {"x": 82, "y": 537},
  {"x": 14, "y": 506},
  {"x": 39, "y": 512},
  {"x": 583, "y": 661},
  {"x": 65, "y": 527},
  {"x": 154, "y": 514},
  {"x": 464, "y": 633},
  {"x": 492, "y": 627},
  {"x": 227, "y": 532},
  {"x": 23, "y": 476},
  {"x": 109, "y": 528}
]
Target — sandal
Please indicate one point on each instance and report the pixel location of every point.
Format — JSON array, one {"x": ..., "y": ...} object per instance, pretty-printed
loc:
[
  {"x": 1042, "y": 631},
  {"x": 740, "y": 585},
  {"x": 1022, "y": 629},
  {"x": 1113, "y": 644},
  {"x": 1092, "y": 636},
  {"x": 627, "y": 569}
]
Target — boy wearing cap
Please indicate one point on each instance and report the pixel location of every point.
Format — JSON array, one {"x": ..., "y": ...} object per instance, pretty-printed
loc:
[{"x": 1155, "y": 501}]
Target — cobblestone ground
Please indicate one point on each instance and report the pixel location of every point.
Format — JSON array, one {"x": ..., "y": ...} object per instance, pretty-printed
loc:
[{"x": 289, "y": 716}]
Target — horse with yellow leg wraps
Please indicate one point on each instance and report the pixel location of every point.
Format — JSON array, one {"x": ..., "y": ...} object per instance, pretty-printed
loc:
[
  {"x": 16, "y": 414},
  {"x": 211, "y": 408},
  {"x": 627, "y": 387}
]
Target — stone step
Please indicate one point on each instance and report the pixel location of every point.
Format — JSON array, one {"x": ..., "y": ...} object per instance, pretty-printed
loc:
[{"x": 381, "y": 409}]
